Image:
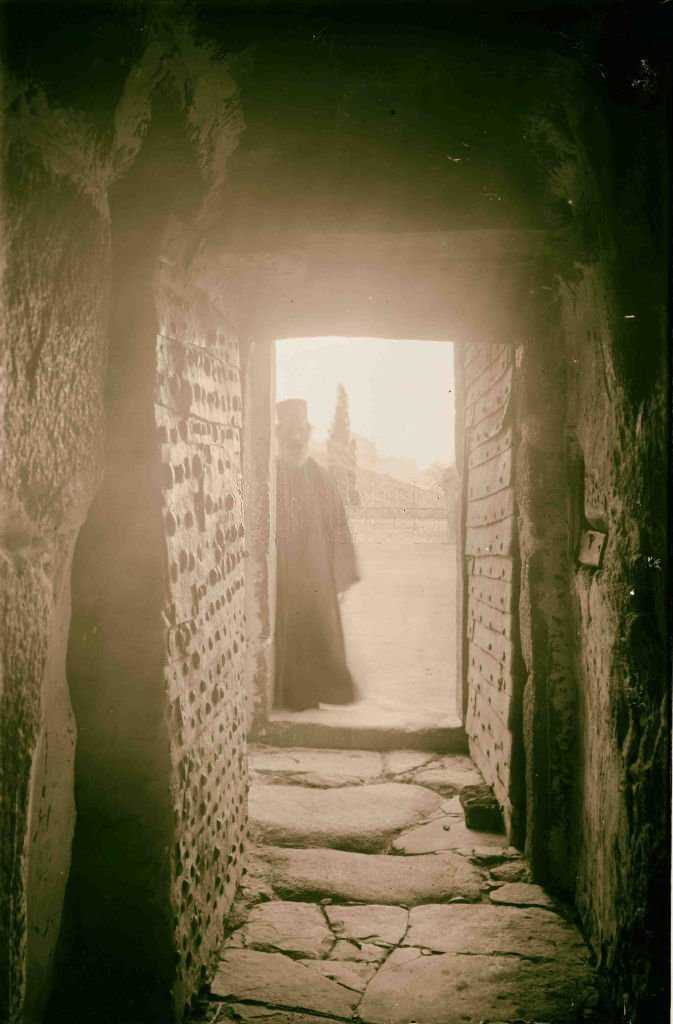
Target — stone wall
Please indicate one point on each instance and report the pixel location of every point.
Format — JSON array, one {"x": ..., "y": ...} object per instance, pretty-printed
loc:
[
  {"x": 116, "y": 656},
  {"x": 157, "y": 652},
  {"x": 54, "y": 308},
  {"x": 260, "y": 518},
  {"x": 157, "y": 646},
  {"x": 160, "y": 712},
  {"x": 546, "y": 543},
  {"x": 592, "y": 458},
  {"x": 621, "y": 629},
  {"x": 606, "y": 146},
  {"x": 144, "y": 744},
  {"x": 199, "y": 416},
  {"x": 591, "y": 706}
]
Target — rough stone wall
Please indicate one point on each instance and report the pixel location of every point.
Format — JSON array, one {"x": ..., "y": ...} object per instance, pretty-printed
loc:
[
  {"x": 606, "y": 146},
  {"x": 613, "y": 726},
  {"x": 156, "y": 657},
  {"x": 199, "y": 418},
  {"x": 592, "y": 456},
  {"x": 141, "y": 768},
  {"x": 157, "y": 649},
  {"x": 621, "y": 628},
  {"x": 260, "y": 513},
  {"x": 115, "y": 673},
  {"x": 492, "y": 571},
  {"x": 603, "y": 816},
  {"x": 544, "y": 489},
  {"x": 54, "y": 308}
]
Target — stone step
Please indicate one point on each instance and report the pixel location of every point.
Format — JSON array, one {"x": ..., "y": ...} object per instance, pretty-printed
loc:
[
  {"x": 316, "y": 874},
  {"x": 442, "y": 928},
  {"x": 364, "y": 818},
  {"x": 347, "y": 729},
  {"x": 325, "y": 768}
]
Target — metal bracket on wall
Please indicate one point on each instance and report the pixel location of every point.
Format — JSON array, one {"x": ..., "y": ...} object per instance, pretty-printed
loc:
[{"x": 592, "y": 544}]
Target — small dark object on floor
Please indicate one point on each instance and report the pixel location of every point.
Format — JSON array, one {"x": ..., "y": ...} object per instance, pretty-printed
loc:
[{"x": 482, "y": 811}]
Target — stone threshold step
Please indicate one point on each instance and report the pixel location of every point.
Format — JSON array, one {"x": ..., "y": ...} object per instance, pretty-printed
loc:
[{"x": 341, "y": 730}]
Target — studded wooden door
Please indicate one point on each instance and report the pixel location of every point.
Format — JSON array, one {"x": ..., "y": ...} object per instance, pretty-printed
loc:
[{"x": 493, "y": 703}]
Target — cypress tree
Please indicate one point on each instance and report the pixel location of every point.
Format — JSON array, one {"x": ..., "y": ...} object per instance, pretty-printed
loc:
[{"x": 341, "y": 451}]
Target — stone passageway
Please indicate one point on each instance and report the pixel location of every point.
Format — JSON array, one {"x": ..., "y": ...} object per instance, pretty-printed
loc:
[{"x": 367, "y": 897}]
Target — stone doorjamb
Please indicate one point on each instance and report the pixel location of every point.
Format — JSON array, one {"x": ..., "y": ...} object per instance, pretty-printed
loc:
[{"x": 462, "y": 286}]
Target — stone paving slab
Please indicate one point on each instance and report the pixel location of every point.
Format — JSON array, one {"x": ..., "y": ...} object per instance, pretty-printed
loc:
[
  {"x": 484, "y": 929},
  {"x": 406, "y": 955},
  {"x": 430, "y": 838},
  {"x": 511, "y": 871},
  {"x": 359, "y": 952},
  {"x": 330, "y": 930},
  {"x": 360, "y": 818},
  {"x": 355, "y": 976},
  {"x": 521, "y": 894},
  {"x": 371, "y": 923},
  {"x": 448, "y": 832},
  {"x": 453, "y": 988},
  {"x": 243, "y": 1013},
  {"x": 448, "y": 775},
  {"x": 488, "y": 856},
  {"x": 287, "y": 927},
  {"x": 276, "y": 979},
  {"x": 401, "y": 762},
  {"x": 374, "y": 878},
  {"x": 325, "y": 768}
]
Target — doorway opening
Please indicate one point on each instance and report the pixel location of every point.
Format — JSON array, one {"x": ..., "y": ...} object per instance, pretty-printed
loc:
[{"x": 382, "y": 425}]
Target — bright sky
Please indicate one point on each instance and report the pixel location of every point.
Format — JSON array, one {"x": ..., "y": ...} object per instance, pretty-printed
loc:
[{"x": 400, "y": 393}]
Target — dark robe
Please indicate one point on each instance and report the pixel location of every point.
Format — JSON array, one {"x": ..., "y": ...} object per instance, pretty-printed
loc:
[{"x": 315, "y": 562}]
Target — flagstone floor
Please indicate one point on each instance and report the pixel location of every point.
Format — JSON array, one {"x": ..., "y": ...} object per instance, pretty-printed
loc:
[{"x": 368, "y": 899}]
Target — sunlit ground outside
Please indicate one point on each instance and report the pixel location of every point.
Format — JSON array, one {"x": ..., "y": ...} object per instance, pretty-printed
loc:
[{"x": 399, "y": 620}]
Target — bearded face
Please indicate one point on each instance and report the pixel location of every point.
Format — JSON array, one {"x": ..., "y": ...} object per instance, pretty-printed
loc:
[{"x": 293, "y": 442}]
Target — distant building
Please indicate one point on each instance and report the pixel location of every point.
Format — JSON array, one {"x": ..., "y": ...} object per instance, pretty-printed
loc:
[
  {"x": 398, "y": 485},
  {"x": 366, "y": 452},
  {"x": 401, "y": 469}
]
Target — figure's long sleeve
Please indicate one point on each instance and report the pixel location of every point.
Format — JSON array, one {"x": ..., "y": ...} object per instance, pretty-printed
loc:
[{"x": 346, "y": 571}]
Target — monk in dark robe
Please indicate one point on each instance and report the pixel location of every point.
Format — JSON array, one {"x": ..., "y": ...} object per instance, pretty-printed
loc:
[{"x": 316, "y": 563}]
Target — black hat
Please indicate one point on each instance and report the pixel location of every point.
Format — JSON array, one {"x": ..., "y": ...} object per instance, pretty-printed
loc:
[{"x": 293, "y": 412}]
